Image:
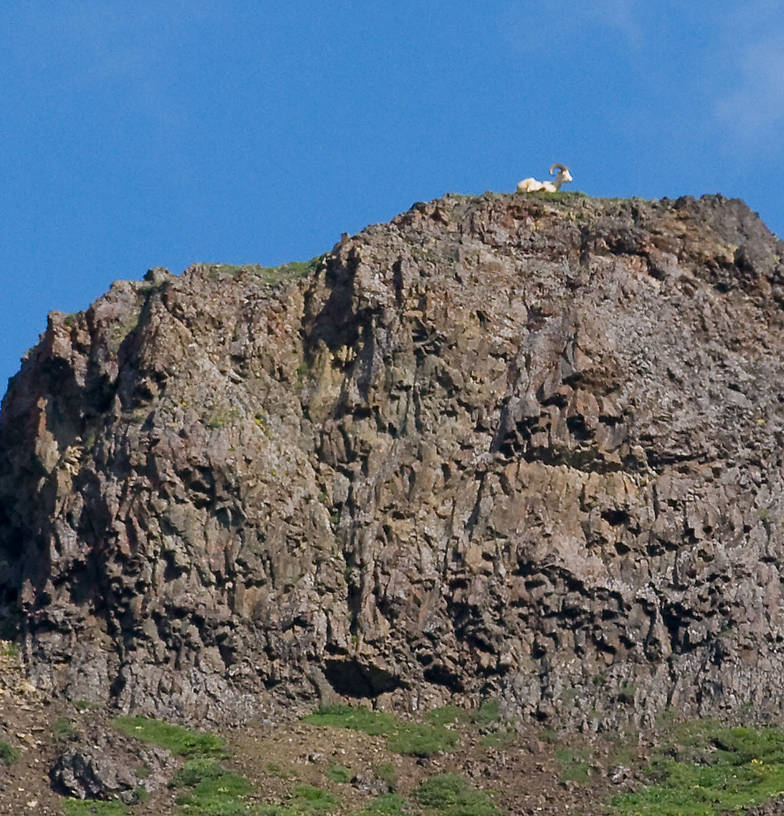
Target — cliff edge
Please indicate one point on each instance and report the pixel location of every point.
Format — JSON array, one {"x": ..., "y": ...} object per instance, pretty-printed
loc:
[{"x": 527, "y": 447}]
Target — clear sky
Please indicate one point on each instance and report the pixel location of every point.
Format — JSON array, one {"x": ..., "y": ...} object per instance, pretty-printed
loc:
[{"x": 162, "y": 132}]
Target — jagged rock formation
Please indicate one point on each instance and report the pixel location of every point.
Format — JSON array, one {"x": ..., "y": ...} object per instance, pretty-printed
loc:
[{"x": 520, "y": 446}]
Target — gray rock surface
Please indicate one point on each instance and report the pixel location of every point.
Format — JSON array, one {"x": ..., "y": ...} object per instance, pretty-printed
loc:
[
  {"x": 109, "y": 767},
  {"x": 528, "y": 447}
]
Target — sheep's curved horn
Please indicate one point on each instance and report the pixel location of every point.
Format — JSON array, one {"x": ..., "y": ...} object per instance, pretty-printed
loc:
[{"x": 559, "y": 166}]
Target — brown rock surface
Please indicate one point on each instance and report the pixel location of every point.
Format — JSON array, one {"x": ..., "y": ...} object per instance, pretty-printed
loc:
[{"x": 528, "y": 447}]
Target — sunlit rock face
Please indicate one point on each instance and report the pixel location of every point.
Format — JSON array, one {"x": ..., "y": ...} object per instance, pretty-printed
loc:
[{"x": 526, "y": 447}]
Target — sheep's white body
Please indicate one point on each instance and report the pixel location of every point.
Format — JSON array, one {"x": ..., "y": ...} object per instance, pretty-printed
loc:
[{"x": 532, "y": 185}]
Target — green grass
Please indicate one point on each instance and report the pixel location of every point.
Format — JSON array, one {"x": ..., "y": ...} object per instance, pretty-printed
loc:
[
  {"x": 182, "y": 741},
  {"x": 338, "y": 773},
  {"x": 310, "y": 799},
  {"x": 293, "y": 269},
  {"x": 307, "y": 800},
  {"x": 421, "y": 739},
  {"x": 8, "y": 754},
  {"x": 626, "y": 693},
  {"x": 63, "y": 729},
  {"x": 93, "y": 807},
  {"x": 403, "y": 737},
  {"x": 141, "y": 794},
  {"x": 268, "y": 274},
  {"x": 375, "y": 723},
  {"x": 9, "y": 649},
  {"x": 415, "y": 738},
  {"x": 487, "y": 713},
  {"x": 502, "y": 738},
  {"x": 387, "y": 804},
  {"x": 211, "y": 790},
  {"x": 575, "y": 764},
  {"x": 121, "y": 330},
  {"x": 707, "y": 769},
  {"x": 222, "y": 416},
  {"x": 448, "y": 714},
  {"x": 707, "y": 740},
  {"x": 451, "y": 795},
  {"x": 561, "y": 195},
  {"x": 387, "y": 773},
  {"x": 703, "y": 790},
  {"x": 280, "y": 772}
]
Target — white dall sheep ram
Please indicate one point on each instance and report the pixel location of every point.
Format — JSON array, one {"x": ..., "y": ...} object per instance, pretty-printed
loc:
[{"x": 531, "y": 185}]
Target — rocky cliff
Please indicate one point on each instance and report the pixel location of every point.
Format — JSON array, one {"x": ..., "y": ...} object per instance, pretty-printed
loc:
[{"x": 528, "y": 447}]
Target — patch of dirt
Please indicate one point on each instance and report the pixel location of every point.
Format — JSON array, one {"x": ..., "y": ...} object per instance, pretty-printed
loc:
[
  {"x": 524, "y": 776},
  {"x": 26, "y": 719}
]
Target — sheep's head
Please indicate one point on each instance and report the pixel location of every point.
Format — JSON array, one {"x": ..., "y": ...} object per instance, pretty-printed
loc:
[{"x": 563, "y": 172}]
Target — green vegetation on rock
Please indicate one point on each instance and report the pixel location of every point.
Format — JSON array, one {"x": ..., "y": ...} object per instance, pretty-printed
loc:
[
  {"x": 421, "y": 739},
  {"x": 281, "y": 773},
  {"x": 499, "y": 739},
  {"x": 403, "y": 737},
  {"x": 267, "y": 274},
  {"x": 387, "y": 804},
  {"x": 93, "y": 807},
  {"x": 182, "y": 741},
  {"x": 293, "y": 269},
  {"x": 63, "y": 729},
  {"x": 375, "y": 723},
  {"x": 9, "y": 649},
  {"x": 486, "y": 714},
  {"x": 338, "y": 773},
  {"x": 575, "y": 764},
  {"x": 446, "y": 714},
  {"x": 310, "y": 799},
  {"x": 211, "y": 790},
  {"x": 307, "y": 800},
  {"x": 223, "y": 415},
  {"x": 451, "y": 795},
  {"x": 387, "y": 773},
  {"x": 560, "y": 195},
  {"x": 208, "y": 788},
  {"x": 707, "y": 769},
  {"x": 121, "y": 330},
  {"x": 8, "y": 754}
]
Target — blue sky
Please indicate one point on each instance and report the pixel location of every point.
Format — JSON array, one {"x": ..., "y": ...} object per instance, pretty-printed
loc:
[{"x": 146, "y": 133}]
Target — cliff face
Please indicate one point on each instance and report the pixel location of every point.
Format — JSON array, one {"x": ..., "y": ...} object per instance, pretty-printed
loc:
[{"x": 527, "y": 447}]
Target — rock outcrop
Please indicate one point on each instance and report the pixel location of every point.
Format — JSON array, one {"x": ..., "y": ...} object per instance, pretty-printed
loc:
[
  {"x": 513, "y": 446},
  {"x": 111, "y": 766}
]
